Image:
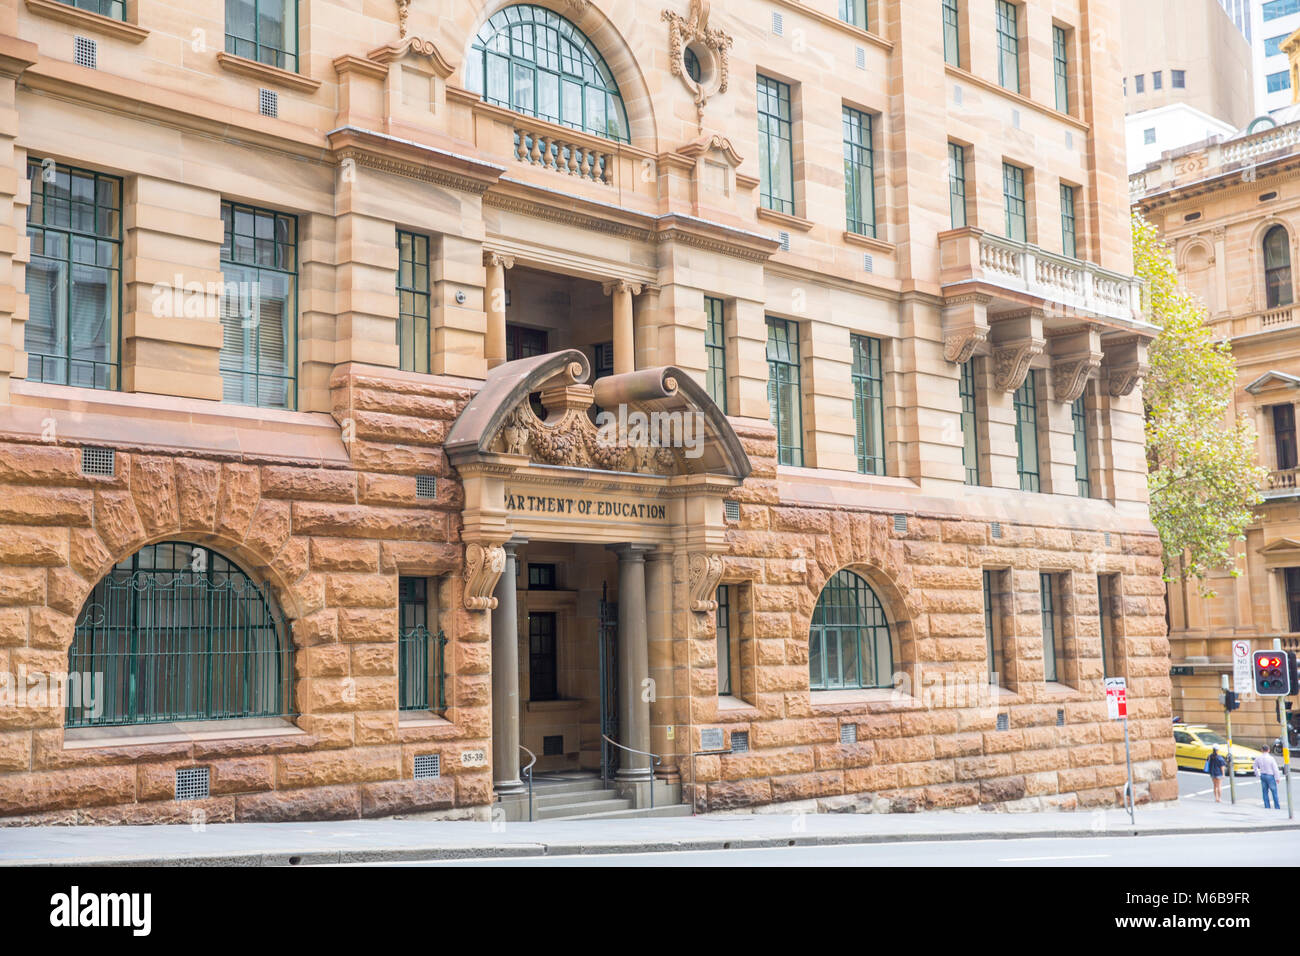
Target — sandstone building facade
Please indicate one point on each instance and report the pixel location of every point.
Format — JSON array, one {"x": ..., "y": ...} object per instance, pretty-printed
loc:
[{"x": 308, "y": 313}]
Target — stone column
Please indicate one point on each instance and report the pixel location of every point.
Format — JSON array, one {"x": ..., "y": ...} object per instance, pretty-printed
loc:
[
  {"x": 505, "y": 681},
  {"x": 494, "y": 346},
  {"x": 633, "y": 664},
  {"x": 659, "y": 619},
  {"x": 621, "y": 291}
]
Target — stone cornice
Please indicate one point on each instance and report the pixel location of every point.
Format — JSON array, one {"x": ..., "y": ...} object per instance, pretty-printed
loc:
[
  {"x": 86, "y": 20},
  {"x": 1281, "y": 168},
  {"x": 402, "y": 157},
  {"x": 875, "y": 39},
  {"x": 1019, "y": 99},
  {"x": 271, "y": 75},
  {"x": 16, "y": 56}
]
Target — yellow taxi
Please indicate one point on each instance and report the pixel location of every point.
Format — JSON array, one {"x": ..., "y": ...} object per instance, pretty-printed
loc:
[{"x": 1193, "y": 743}]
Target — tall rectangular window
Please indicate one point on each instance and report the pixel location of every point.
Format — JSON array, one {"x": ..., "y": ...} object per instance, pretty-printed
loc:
[
  {"x": 854, "y": 12},
  {"x": 543, "y": 669},
  {"x": 1026, "y": 403},
  {"x": 414, "y": 644},
  {"x": 1061, "y": 67},
  {"x": 74, "y": 287},
  {"x": 259, "y": 307},
  {"x": 1157, "y": 80},
  {"x": 264, "y": 30},
  {"x": 413, "y": 301},
  {"x": 957, "y": 185},
  {"x": 1013, "y": 195},
  {"x": 723, "y": 620},
  {"x": 1069, "y": 241},
  {"x": 859, "y": 173},
  {"x": 1052, "y": 649},
  {"x": 951, "y": 33},
  {"x": 715, "y": 350},
  {"x": 1105, "y": 606},
  {"x": 970, "y": 450},
  {"x": 1178, "y": 79},
  {"x": 868, "y": 405},
  {"x": 1008, "y": 46},
  {"x": 1284, "y": 443},
  {"x": 992, "y": 622},
  {"x": 775, "y": 145},
  {"x": 783, "y": 389},
  {"x": 116, "y": 9},
  {"x": 1082, "y": 478},
  {"x": 1140, "y": 83},
  {"x": 1292, "y": 580}
]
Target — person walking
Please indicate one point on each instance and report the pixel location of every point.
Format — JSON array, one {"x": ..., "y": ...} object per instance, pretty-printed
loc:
[
  {"x": 1266, "y": 770},
  {"x": 1214, "y": 765}
]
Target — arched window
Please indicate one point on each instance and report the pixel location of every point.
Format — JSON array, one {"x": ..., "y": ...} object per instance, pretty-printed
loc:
[
  {"x": 177, "y": 632},
  {"x": 848, "y": 645},
  {"x": 1277, "y": 268},
  {"x": 533, "y": 61}
]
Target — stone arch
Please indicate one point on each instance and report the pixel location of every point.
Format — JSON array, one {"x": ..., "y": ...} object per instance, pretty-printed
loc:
[
  {"x": 1258, "y": 291},
  {"x": 1195, "y": 261}
]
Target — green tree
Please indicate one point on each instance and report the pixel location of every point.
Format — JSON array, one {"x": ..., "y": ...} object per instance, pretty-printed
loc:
[{"x": 1204, "y": 480}]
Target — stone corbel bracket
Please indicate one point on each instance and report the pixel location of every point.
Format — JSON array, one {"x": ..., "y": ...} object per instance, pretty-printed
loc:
[
  {"x": 965, "y": 326},
  {"x": 1126, "y": 365},
  {"x": 1076, "y": 357},
  {"x": 483, "y": 567},
  {"x": 1017, "y": 341},
  {"x": 705, "y": 571}
]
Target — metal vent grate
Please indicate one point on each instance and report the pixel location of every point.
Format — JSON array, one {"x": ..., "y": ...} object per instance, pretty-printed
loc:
[
  {"x": 268, "y": 102},
  {"x": 860, "y": 57},
  {"x": 1069, "y": 140},
  {"x": 426, "y": 486},
  {"x": 784, "y": 237},
  {"x": 956, "y": 95},
  {"x": 732, "y": 510},
  {"x": 848, "y": 733},
  {"x": 98, "y": 461},
  {"x": 900, "y": 524},
  {"x": 191, "y": 783},
  {"x": 1004, "y": 722},
  {"x": 996, "y": 529},
  {"x": 553, "y": 746},
  {"x": 1106, "y": 538},
  {"x": 1015, "y": 118},
  {"x": 1060, "y": 718},
  {"x": 427, "y": 766},
  {"x": 739, "y": 741},
  {"x": 85, "y": 52},
  {"x": 868, "y": 263},
  {"x": 778, "y": 23}
]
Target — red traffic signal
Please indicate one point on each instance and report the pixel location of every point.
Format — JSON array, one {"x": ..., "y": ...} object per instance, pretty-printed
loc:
[{"x": 1272, "y": 670}]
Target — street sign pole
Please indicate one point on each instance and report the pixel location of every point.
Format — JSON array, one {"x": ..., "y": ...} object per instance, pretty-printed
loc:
[
  {"x": 1128, "y": 762},
  {"x": 1286, "y": 744},
  {"x": 1232, "y": 771},
  {"x": 1117, "y": 708}
]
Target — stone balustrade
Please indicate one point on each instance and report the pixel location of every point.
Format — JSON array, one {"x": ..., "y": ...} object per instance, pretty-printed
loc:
[{"x": 570, "y": 155}]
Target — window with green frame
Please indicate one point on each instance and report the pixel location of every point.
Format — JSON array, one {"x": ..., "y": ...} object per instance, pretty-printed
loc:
[
  {"x": 715, "y": 350},
  {"x": 848, "y": 643},
  {"x": 533, "y": 61},
  {"x": 970, "y": 449},
  {"x": 1013, "y": 196},
  {"x": 868, "y": 405},
  {"x": 1069, "y": 240},
  {"x": 113, "y": 9},
  {"x": 421, "y": 677},
  {"x": 1061, "y": 67},
  {"x": 1008, "y": 46},
  {"x": 264, "y": 30},
  {"x": 1026, "y": 404},
  {"x": 1079, "y": 412},
  {"x": 723, "y": 621},
  {"x": 854, "y": 12},
  {"x": 952, "y": 34},
  {"x": 259, "y": 307},
  {"x": 784, "y": 389},
  {"x": 992, "y": 626},
  {"x": 74, "y": 287},
  {"x": 859, "y": 173},
  {"x": 775, "y": 145},
  {"x": 1053, "y": 651},
  {"x": 1107, "y": 585},
  {"x": 413, "y": 301},
  {"x": 957, "y": 185}
]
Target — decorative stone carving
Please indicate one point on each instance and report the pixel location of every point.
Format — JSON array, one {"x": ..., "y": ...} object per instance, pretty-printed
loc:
[
  {"x": 694, "y": 29},
  {"x": 483, "y": 567},
  {"x": 621, "y": 285},
  {"x": 494, "y": 258},
  {"x": 1069, "y": 377},
  {"x": 705, "y": 572},
  {"x": 1011, "y": 362},
  {"x": 403, "y": 9},
  {"x": 959, "y": 346},
  {"x": 1124, "y": 379}
]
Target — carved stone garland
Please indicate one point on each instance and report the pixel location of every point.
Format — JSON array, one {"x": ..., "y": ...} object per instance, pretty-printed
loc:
[
  {"x": 575, "y": 442},
  {"x": 694, "y": 28}
]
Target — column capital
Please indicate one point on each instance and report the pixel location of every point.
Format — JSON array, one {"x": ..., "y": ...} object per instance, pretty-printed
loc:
[
  {"x": 493, "y": 258},
  {"x": 621, "y": 285},
  {"x": 631, "y": 551}
]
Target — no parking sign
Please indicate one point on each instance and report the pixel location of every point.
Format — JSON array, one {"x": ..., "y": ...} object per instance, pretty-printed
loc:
[{"x": 1116, "y": 698}]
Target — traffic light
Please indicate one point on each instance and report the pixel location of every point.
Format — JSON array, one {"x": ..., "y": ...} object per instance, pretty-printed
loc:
[
  {"x": 1272, "y": 671},
  {"x": 1230, "y": 701},
  {"x": 1293, "y": 671}
]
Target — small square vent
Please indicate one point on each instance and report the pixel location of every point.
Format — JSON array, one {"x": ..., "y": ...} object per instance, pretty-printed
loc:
[
  {"x": 1004, "y": 722},
  {"x": 98, "y": 461},
  {"x": 268, "y": 102},
  {"x": 732, "y": 510},
  {"x": 860, "y": 57},
  {"x": 553, "y": 746},
  {"x": 848, "y": 733},
  {"x": 85, "y": 52},
  {"x": 739, "y": 741},
  {"x": 426, "y": 486},
  {"x": 995, "y": 529},
  {"x": 427, "y": 766},
  {"x": 868, "y": 263},
  {"x": 900, "y": 524},
  {"x": 1060, "y": 718},
  {"x": 784, "y": 238},
  {"x": 192, "y": 783},
  {"x": 778, "y": 23}
]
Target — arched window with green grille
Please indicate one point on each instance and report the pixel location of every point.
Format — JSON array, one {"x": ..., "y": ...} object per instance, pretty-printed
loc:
[
  {"x": 848, "y": 645},
  {"x": 533, "y": 61},
  {"x": 177, "y": 632}
]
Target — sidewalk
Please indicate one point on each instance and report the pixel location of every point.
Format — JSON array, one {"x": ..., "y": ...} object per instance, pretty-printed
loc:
[{"x": 359, "y": 841}]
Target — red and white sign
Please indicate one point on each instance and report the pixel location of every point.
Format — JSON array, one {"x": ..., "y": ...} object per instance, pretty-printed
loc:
[
  {"x": 1242, "y": 680},
  {"x": 1116, "y": 698}
]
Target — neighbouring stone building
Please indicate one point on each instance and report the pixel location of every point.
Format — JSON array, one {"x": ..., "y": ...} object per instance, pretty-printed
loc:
[{"x": 308, "y": 315}]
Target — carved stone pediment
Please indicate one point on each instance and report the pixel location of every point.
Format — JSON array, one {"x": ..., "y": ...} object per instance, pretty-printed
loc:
[{"x": 424, "y": 51}]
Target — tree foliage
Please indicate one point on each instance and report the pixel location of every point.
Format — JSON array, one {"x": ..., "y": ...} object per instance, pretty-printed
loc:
[{"x": 1204, "y": 479}]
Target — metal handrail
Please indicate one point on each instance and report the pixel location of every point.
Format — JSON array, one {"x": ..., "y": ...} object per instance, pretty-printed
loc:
[
  {"x": 528, "y": 771},
  {"x": 632, "y": 750}
]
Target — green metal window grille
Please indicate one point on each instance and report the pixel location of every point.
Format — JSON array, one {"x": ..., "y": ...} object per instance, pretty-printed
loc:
[
  {"x": 970, "y": 449},
  {"x": 1026, "y": 403},
  {"x": 413, "y": 301},
  {"x": 541, "y": 577},
  {"x": 723, "y": 619},
  {"x": 1103, "y": 611},
  {"x": 859, "y": 173},
  {"x": 1277, "y": 268},
  {"x": 177, "y": 632},
  {"x": 259, "y": 308},
  {"x": 957, "y": 185},
  {"x": 715, "y": 350},
  {"x": 951, "y": 33},
  {"x": 1079, "y": 412},
  {"x": 1051, "y": 639},
  {"x": 1061, "y": 68},
  {"x": 533, "y": 61},
  {"x": 264, "y": 30},
  {"x": 74, "y": 278},
  {"x": 868, "y": 405},
  {"x": 1069, "y": 242},
  {"x": 990, "y": 625},
  {"x": 784, "y": 389},
  {"x": 848, "y": 644},
  {"x": 542, "y": 669},
  {"x": 1013, "y": 193},
  {"x": 775, "y": 145},
  {"x": 854, "y": 12},
  {"x": 115, "y": 9},
  {"x": 1008, "y": 47},
  {"x": 421, "y": 653}
]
